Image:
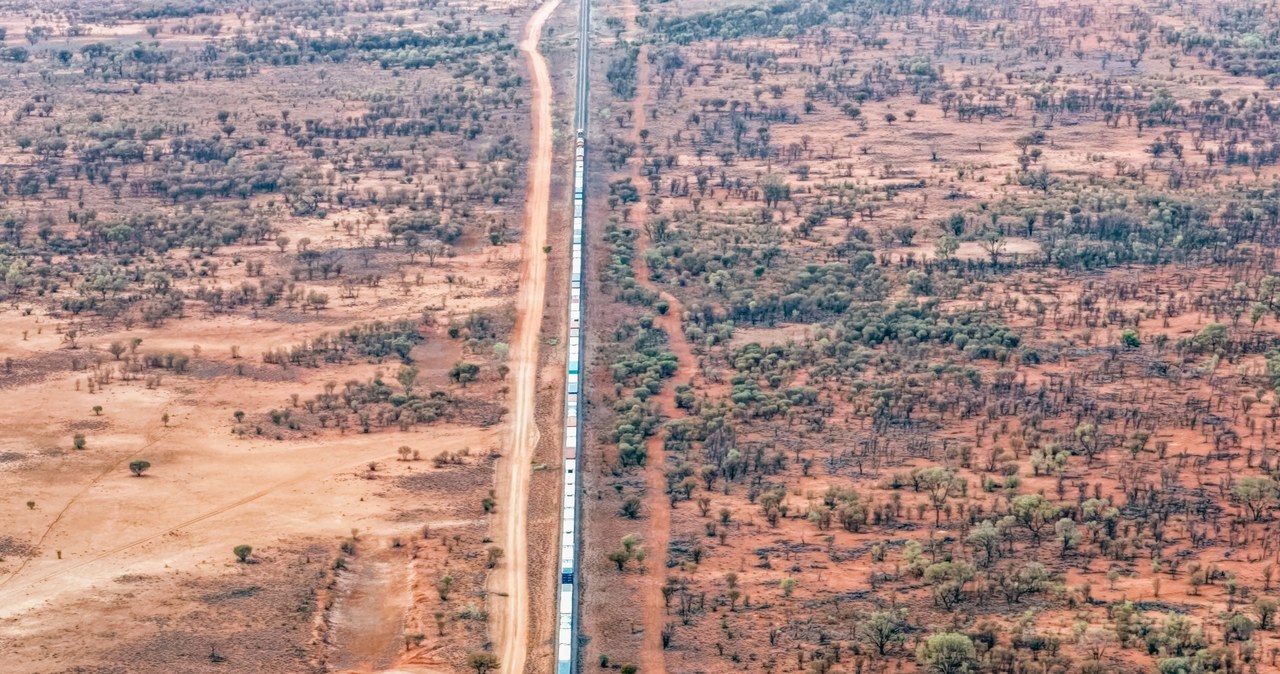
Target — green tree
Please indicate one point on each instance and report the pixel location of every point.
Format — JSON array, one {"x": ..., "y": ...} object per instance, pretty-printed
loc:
[
  {"x": 464, "y": 372},
  {"x": 1212, "y": 337},
  {"x": 1068, "y": 535},
  {"x": 407, "y": 376},
  {"x": 1239, "y": 628},
  {"x": 139, "y": 467},
  {"x": 985, "y": 537},
  {"x": 939, "y": 484},
  {"x": 776, "y": 190},
  {"x": 994, "y": 244},
  {"x": 1266, "y": 608},
  {"x": 948, "y": 580},
  {"x": 620, "y": 557},
  {"x": 242, "y": 552},
  {"x": 946, "y": 246},
  {"x": 1034, "y": 512},
  {"x": 948, "y": 653},
  {"x": 1177, "y": 665},
  {"x": 1091, "y": 441},
  {"x": 882, "y": 630},
  {"x": 1256, "y": 494},
  {"x": 1027, "y": 580}
]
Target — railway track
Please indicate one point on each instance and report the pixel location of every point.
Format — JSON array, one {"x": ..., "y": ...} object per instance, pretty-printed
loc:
[{"x": 567, "y": 604}]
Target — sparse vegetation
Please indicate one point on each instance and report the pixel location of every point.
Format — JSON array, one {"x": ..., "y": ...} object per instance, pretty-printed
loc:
[
  {"x": 960, "y": 324},
  {"x": 260, "y": 235}
]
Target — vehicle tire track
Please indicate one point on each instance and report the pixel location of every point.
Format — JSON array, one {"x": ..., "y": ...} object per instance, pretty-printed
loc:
[
  {"x": 151, "y": 442},
  {"x": 653, "y": 607},
  {"x": 184, "y": 524}
]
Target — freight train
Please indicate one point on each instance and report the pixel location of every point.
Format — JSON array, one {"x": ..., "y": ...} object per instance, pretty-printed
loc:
[{"x": 567, "y": 605}]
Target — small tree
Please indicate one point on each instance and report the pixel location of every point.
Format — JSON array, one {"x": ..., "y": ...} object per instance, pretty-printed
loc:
[
  {"x": 242, "y": 552},
  {"x": 620, "y": 557},
  {"x": 630, "y": 507},
  {"x": 1266, "y": 608},
  {"x": 464, "y": 372},
  {"x": 946, "y": 246},
  {"x": 1027, "y": 580},
  {"x": 482, "y": 663},
  {"x": 940, "y": 484},
  {"x": 1068, "y": 535},
  {"x": 79, "y": 441},
  {"x": 994, "y": 244},
  {"x": 139, "y": 467},
  {"x": 1256, "y": 494},
  {"x": 1034, "y": 512},
  {"x": 985, "y": 537},
  {"x": 882, "y": 630},
  {"x": 948, "y": 580},
  {"x": 948, "y": 653},
  {"x": 1239, "y": 628}
]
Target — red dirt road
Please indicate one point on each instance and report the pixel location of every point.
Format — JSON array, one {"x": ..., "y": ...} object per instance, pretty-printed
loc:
[
  {"x": 511, "y": 615},
  {"x": 659, "y": 534}
]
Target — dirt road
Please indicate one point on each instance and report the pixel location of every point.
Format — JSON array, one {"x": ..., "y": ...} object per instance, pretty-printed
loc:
[
  {"x": 368, "y": 620},
  {"x": 512, "y": 614},
  {"x": 658, "y": 538}
]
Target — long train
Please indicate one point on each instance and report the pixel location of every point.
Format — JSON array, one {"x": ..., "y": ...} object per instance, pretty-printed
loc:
[
  {"x": 567, "y": 605},
  {"x": 567, "y": 600}
]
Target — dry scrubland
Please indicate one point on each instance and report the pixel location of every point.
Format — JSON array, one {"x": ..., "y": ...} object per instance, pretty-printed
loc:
[
  {"x": 270, "y": 251},
  {"x": 939, "y": 336}
]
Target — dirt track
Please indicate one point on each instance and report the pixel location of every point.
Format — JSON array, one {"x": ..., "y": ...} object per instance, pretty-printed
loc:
[
  {"x": 659, "y": 533},
  {"x": 511, "y": 617}
]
